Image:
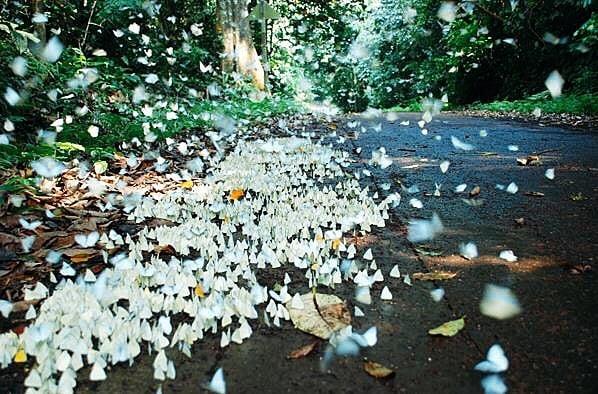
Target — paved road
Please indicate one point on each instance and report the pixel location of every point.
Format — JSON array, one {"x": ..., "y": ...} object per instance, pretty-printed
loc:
[{"x": 551, "y": 345}]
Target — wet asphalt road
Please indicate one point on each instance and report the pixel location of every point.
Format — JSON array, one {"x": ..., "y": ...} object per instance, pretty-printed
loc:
[{"x": 552, "y": 345}]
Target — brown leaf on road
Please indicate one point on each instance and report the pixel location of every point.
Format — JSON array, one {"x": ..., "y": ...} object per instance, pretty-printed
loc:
[
  {"x": 436, "y": 275},
  {"x": 303, "y": 351},
  {"x": 51, "y": 239},
  {"x": 79, "y": 255},
  {"x": 338, "y": 312},
  {"x": 236, "y": 194},
  {"x": 9, "y": 239},
  {"x": 86, "y": 224},
  {"x": 449, "y": 329},
  {"x": 377, "y": 370},
  {"x": 531, "y": 160},
  {"x": 334, "y": 315},
  {"x": 520, "y": 221},
  {"x": 534, "y": 194}
]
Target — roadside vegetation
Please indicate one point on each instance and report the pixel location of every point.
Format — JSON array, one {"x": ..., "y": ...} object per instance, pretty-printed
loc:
[{"x": 83, "y": 79}]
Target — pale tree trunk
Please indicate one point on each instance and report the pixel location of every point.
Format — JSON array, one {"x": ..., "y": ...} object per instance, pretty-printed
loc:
[
  {"x": 240, "y": 54},
  {"x": 39, "y": 28}
]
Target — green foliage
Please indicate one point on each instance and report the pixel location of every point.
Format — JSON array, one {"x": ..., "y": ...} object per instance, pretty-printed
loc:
[
  {"x": 508, "y": 49},
  {"x": 104, "y": 61},
  {"x": 586, "y": 104},
  {"x": 311, "y": 59},
  {"x": 16, "y": 185},
  {"x": 348, "y": 91}
]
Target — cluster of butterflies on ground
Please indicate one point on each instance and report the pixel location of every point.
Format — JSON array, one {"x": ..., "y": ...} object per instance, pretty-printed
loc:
[{"x": 219, "y": 288}]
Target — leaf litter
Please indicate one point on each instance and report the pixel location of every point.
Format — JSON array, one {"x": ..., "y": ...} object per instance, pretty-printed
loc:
[{"x": 449, "y": 329}]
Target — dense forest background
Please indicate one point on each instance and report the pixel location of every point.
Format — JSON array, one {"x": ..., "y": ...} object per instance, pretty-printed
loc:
[{"x": 86, "y": 75}]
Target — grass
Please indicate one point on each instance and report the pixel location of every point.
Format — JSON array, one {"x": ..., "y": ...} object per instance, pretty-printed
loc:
[
  {"x": 583, "y": 104},
  {"x": 412, "y": 106}
]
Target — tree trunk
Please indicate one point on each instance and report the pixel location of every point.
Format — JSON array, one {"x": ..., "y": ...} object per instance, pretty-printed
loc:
[
  {"x": 39, "y": 28},
  {"x": 240, "y": 54}
]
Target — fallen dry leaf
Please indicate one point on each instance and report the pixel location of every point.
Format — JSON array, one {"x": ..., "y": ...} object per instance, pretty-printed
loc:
[
  {"x": 534, "y": 194},
  {"x": 335, "y": 315},
  {"x": 475, "y": 191},
  {"x": 20, "y": 356},
  {"x": 377, "y": 370},
  {"x": 436, "y": 275},
  {"x": 581, "y": 269},
  {"x": 199, "y": 291},
  {"x": 449, "y": 329},
  {"x": 336, "y": 243},
  {"x": 528, "y": 161},
  {"x": 78, "y": 255},
  {"x": 235, "y": 194},
  {"x": 8, "y": 239},
  {"x": 186, "y": 184},
  {"x": 425, "y": 252},
  {"x": 303, "y": 351}
]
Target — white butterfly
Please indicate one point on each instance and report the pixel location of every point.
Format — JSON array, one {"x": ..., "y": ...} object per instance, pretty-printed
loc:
[
  {"x": 5, "y": 308},
  {"x": 508, "y": 255},
  {"x": 494, "y": 384},
  {"x": 386, "y": 294},
  {"x": 437, "y": 294},
  {"x": 468, "y": 250},
  {"x": 151, "y": 79},
  {"x": 97, "y": 372},
  {"x": 19, "y": 67},
  {"x": 447, "y": 11},
  {"x": 40, "y": 291},
  {"x": 134, "y": 28},
  {"x": 93, "y": 131},
  {"x": 67, "y": 270},
  {"x": 499, "y": 302},
  {"x": 87, "y": 240},
  {"x": 362, "y": 295},
  {"x": 47, "y": 167},
  {"x": 458, "y": 144},
  {"x": 358, "y": 312},
  {"x": 11, "y": 96},
  {"x": 444, "y": 166},
  {"x": 495, "y": 362},
  {"x": 415, "y": 203},
  {"x": 205, "y": 69},
  {"x": 29, "y": 225},
  {"x": 420, "y": 230},
  {"x": 196, "y": 29},
  {"x": 27, "y": 243},
  {"x": 368, "y": 338},
  {"x": 52, "y": 51},
  {"x": 554, "y": 83},
  {"x": 217, "y": 384}
]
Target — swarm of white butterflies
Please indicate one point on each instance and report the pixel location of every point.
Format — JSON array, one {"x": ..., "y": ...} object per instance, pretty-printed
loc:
[{"x": 297, "y": 203}]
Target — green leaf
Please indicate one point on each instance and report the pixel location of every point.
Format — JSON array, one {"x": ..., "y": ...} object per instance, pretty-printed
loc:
[
  {"x": 5, "y": 28},
  {"x": 449, "y": 329},
  {"x": 69, "y": 147},
  {"x": 28, "y": 35}
]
